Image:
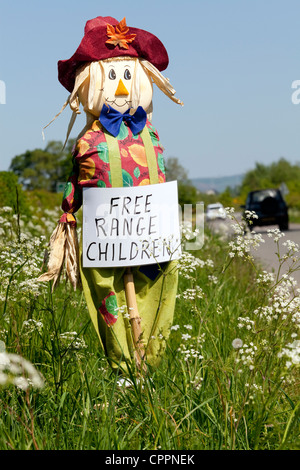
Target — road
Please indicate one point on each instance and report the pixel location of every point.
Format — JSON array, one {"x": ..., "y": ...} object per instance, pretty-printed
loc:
[{"x": 266, "y": 253}]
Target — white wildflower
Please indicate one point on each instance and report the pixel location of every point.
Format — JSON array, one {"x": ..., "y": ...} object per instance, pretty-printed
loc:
[
  {"x": 185, "y": 336},
  {"x": 265, "y": 278},
  {"x": 18, "y": 371},
  {"x": 174, "y": 327},
  {"x": 229, "y": 212},
  {"x": 242, "y": 246},
  {"x": 291, "y": 246},
  {"x": 250, "y": 214},
  {"x": 219, "y": 309},
  {"x": 276, "y": 234},
  {"x": 31, "y": 325},
  {"x": 189, "y": 352},
  {"x": 213, "y": 279},
  {"x": 192, "y": 294},
  {"x": 292, "y": 352},
  {"x": 71, "y": 341},
  {"x": 245, "y": 322}
]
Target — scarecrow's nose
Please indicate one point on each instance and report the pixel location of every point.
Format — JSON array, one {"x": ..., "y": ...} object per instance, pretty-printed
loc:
[{"x": 121, "y": 90}]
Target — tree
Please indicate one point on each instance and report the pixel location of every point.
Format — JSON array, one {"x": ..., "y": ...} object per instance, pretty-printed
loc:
[
  {"x": 187, "y": 193},
  {"x": 175, "y": 171},
  {"x": 264, "y": 176},
  {"x": 42, "y": 169},
  {"x": 272, "y": 176},
  {"x": 11, "y": 193}
]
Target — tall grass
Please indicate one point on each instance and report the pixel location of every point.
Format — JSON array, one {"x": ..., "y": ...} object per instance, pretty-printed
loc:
[{"x": 227, "y": 381}]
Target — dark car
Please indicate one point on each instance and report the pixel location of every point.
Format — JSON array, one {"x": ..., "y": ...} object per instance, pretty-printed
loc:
[{"x": 270, "y": 208}]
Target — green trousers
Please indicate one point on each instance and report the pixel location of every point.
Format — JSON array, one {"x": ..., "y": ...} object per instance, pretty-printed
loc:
[{"x": 156, "y": 290}]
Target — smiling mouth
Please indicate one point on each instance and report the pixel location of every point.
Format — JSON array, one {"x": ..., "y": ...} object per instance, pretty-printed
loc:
[{"x": 128, "y": 102}]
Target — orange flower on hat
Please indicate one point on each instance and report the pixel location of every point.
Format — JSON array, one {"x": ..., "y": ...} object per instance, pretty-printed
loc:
[{"x": 119, "y": 36}]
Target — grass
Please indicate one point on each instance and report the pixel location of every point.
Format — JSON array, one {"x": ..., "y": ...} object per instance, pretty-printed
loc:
[
  {"x": 294, "y": 215},
  {"x": 206, "y": 395}
]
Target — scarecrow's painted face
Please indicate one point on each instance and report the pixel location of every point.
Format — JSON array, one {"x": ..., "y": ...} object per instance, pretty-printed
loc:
[
  {"x": 122, "y": 84},
  {"x": 117, "y": 90}
]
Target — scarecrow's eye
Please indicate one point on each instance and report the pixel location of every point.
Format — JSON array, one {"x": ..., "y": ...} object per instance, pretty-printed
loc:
[
  {"x": 127, "y": 74},
  {"x": 112, "y": 74}
]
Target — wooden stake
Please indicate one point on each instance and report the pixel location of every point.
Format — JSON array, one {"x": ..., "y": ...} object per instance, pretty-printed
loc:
[{"x": 135, "y": 319}]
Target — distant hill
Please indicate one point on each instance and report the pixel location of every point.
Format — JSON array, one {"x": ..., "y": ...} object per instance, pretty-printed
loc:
[{"x": 217, "y": 184}]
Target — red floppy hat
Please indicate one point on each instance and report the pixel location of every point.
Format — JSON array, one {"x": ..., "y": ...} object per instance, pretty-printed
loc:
[{"x": 104, "y": 38}]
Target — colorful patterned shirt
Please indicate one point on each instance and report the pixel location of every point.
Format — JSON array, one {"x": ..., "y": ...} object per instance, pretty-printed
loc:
[{"x": 91, "y": 166}]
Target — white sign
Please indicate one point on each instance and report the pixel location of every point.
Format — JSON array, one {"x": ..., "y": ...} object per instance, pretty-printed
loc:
[{"x": 130, "y": 226}]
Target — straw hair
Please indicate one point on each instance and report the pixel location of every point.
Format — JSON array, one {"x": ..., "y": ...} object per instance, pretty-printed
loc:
[
  {"x": 92, "y": 73},
  {"x": 160, "y": 81}
]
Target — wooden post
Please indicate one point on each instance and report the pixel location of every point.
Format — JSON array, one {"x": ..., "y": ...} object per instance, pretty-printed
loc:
[{"x": 135, "y": 319}]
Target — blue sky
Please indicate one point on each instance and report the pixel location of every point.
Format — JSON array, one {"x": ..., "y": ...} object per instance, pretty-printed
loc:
[{"x": 232, "y": 63}]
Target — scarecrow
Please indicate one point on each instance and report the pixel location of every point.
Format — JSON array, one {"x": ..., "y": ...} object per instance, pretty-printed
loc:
[{"x": 111, "y": 75}]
